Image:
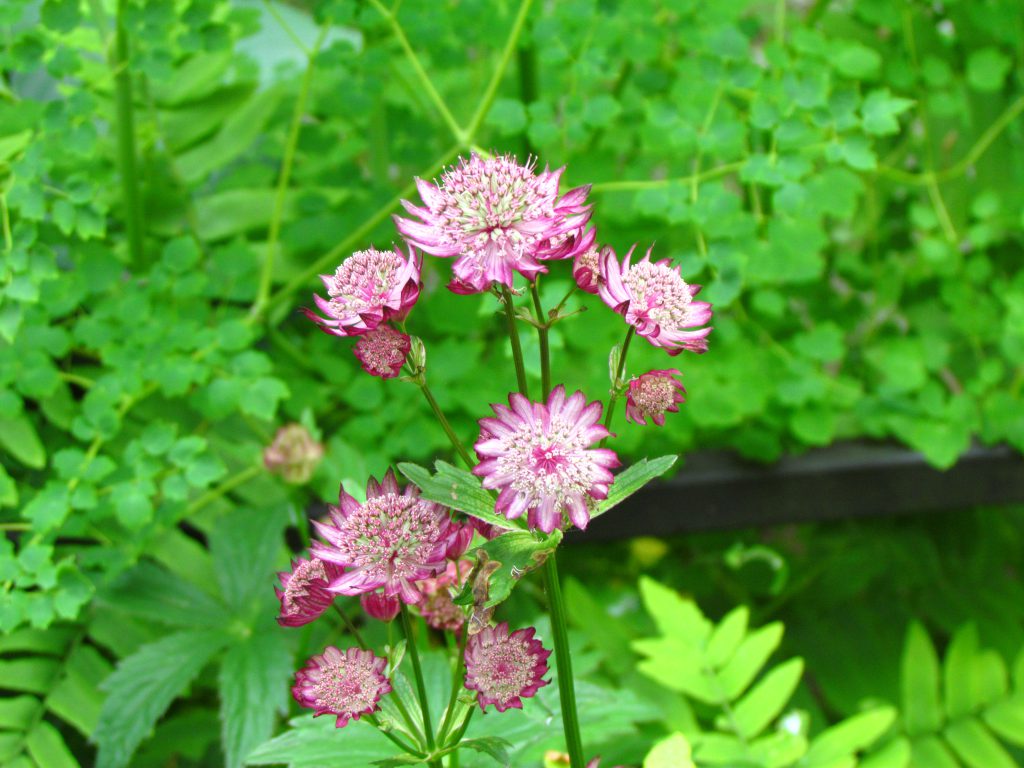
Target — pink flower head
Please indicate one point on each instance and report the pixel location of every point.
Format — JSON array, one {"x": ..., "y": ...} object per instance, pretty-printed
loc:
[
  {"x": 655, "y": 300},
  {"x": 379, "y": 606},
  {"x": 505, "y": 668},
  {"x": 539, "y": 456},
  {"x": 394, "y": 539},
  {"x": 369, "y": 288},
  {"x": 462, "y": 539},
  {"x": 496, "y": 217},
  {"x": 652, "y": 395},
  {"x": 293, "y": 454},
  {"x": 303, "y": 594},
  {"x": 348, "y": 684},
  {"x": 382, "y": 351},
  {"x": 585, "y": 268},
  {"x": 437, "y": 608}
]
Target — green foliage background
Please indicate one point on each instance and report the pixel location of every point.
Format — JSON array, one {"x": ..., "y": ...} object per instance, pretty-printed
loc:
[{"x": 843, "y": 177}]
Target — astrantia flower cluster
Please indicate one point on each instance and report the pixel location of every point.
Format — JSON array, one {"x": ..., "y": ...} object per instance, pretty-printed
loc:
[
  {"x": 539, "y": 456},
  {"x": 496, "y": 217},
  {"x": 504, "y": 668},
  {"x": 304, "y": 592},
  {"x": 652, "y": 395},
  {"x": 348, "y": 684}
]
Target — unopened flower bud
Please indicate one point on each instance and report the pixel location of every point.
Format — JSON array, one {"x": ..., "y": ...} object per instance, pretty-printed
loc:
[{"x": 293, "y": 454}]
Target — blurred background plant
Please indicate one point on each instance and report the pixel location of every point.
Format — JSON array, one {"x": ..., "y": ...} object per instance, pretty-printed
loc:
[{"x": 842, "y": 176}]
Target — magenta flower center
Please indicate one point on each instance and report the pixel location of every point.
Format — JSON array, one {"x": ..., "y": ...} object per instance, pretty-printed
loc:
[
  {"x": 658, "y": 292},
  {"x": 505, "y": 669},
  {"x": 346, "y": 686},
  {"x": 654, "y": 394},
  {"x": 298, "y": 584},
  {"x": 545, "y": 462},
  {"x": 391, "y": 536},
  {"x": 364, "y": 280}
]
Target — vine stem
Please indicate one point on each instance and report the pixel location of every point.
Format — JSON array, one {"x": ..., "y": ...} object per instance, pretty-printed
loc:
[
  {"x": 613, "y": 398},
  {"x": 283, "y": 179},
  {"x": 513, "y": 337},
  {"x": 566, "y": 688},
  {"x": 421, "y": 688},
  {"x": 542, "y": 338}
]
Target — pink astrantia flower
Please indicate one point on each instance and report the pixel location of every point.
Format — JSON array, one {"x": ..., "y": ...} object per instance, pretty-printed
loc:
[
  {"x": 505, "y": 668},
  {"x": 496, "y": 217},
  {"x": 382, "y": 351},
  {"x": 303, "y": 594},
  {"x": 652, "y": 395},
  {"x": 393, "y": 540},
  {"x": 655, "y": 300},
  {"x": 379, "y": 606},
  {"x": 437, "y": 608},
  {"x": 585, "y": 268},
  {"x": 348, "y": 684},
  {"x": 540, "y": 458},
  {"x": 369, "y": 288},
  {"x": 462, "y": 539}
]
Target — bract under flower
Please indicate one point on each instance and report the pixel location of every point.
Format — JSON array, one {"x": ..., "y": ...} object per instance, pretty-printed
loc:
[
  {"x": 496, "y": 217},
  {"x": 655, "y": 300},
  {"x": 539, "y": 456},
  {"x": 389, "y": 542}
]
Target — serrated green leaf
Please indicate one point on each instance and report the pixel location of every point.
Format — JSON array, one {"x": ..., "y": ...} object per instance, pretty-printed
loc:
[
  {"x": 253, "y": 686},
  {"x": 516, "y": 554},
  {"x": 456, "y": 488},
  {"x": 850, "y": 736},
  {"x": 727, "y": 636},
  {"x": 143, "y": 687},
  {"x": 318, "y": 743},
  {"x": 749, "y": 659},
  {"x": 252, "y": 542},
  {"x": 632, "y": 479},
  {"x": 492, "y": 746},
  {"x": 765, "y": 701},
  {"x": 676, "y": 617},
  {"x": 156, "y": 594}
]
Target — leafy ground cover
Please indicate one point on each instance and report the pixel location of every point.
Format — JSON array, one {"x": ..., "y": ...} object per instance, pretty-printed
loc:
[{"x": 173, "y": 176}]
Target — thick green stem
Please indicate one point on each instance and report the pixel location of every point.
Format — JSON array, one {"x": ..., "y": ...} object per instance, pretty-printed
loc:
[
  {"x": 291, "y": 144},
  {"x": 456, "y": 684},
  {"x": 462, "y": 728},
  {"x": 566, "y": 689},
  {"x": 125, "y": 129},
  {"x": 421, "y": 688},
  {"x": 513, "y": 337},
  {"x": 613, "y": 398},
  {"x": 542, "y": 338},
  {"x": 446, "y": 426}
]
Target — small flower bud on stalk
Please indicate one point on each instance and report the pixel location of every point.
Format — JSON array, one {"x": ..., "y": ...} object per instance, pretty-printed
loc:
[{"x": 293, "y": 455}]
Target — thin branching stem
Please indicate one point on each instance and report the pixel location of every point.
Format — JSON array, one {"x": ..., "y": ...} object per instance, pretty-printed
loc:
[
  {"x": 513, "y": 337},
  {"x": 613, "y": 397}
]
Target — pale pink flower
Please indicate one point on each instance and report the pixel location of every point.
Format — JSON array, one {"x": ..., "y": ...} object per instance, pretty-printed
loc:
[
  {"x": 348, "y": 684},
  {"x": 505, "y": 668},
  {"x": 655, "y": 300},
  {"x": 382, "y": 351},
  {"x": 304, "y": 593},
  {"x": 437, "y": 607},
  {"x": 391, "y": 541},
  {"x": 539, "y": 455},
  {"x": 368, "y": 288},
  {"x": 379, "y": 606},
  {"x": 654, "y": 394},
  {"x": 496, "y": 217},
  {"x": 586, "y": 270},
  {"x": 293, "y": 454}
]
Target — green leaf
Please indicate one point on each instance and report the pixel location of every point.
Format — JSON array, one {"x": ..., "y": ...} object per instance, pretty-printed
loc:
[
  {"x": 318, "y": 743},
  {"x": 507, "y": 117},
  {"x": 727, "y": 636},
  {"x": 880, "y": 110},
  {"x": 987, "y": 69},
  {"x": 671, "y": 752},
  {"x": 18, "y": 712},
  {"x": 46, "y": 746},
  {"x": 750, "y": 657},
  {"x": 975, "y": 745},
  {"x": 156, "y": 594},
  {"x": 456, "y": 488},
  {"x": 506, "y": 558},
  {"x": 247, "y": 544},
  {"x": 32, "y": 674},
  {"x": 930, "y": 752},
  {"x": 76, "y": 699},
  {"x": 253, "y": 690},
  {"x": 1006, "y": 718},
  {"x": 632, "y": 480},
  {"x": 850, "y": 736},
  {"x": 919, "y": 679},
  {"x": 18, "y": 437},
  {"x": 677, "y": 618},
  {"x": 143, "y": 687},
  {"x": 765, "y": 701},
  {"x": 895, "y": 754},
  {"x": 492, "y": 746},
  {"x": 856, "y": 60}
]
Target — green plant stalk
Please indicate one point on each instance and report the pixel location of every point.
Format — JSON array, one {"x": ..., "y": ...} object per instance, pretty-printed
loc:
[
  {"x": 349, "y": 625},
  {"x": 456, "y": 687},
  {"x": 566, "y": 689},
  {"x": 513, "y": 337},
  {"x": 454, "y": 438},
  {"x": 542, "y": 339},
  {"x": 283, "y": 179},
  {"x": 613, "y": 398},
  {"x": 372, "y": 720},
  {"x": 125, "y": 129},
  {"x": 421, "y": 688},
  {"x": 462, "y": 729}
]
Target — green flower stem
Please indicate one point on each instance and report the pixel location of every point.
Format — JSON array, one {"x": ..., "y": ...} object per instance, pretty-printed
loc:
[
  {"x": 127, "y": 165},
  {"x": 349, "y": 625},
  {"x": 513, "y": 337},
  {"x": 462, "y": 728},
  {"x": 566, "y": 689},
  {"x": 542, "y": 337},
  {"x": 613, "y": 398},
  {"x": 372, "y": 720},
  {"x": 291, "y": 144},
  {"x": 421, "y": 688},
  {"x": 456, "y": 683},
  {"x": 454, "y": 438}
]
